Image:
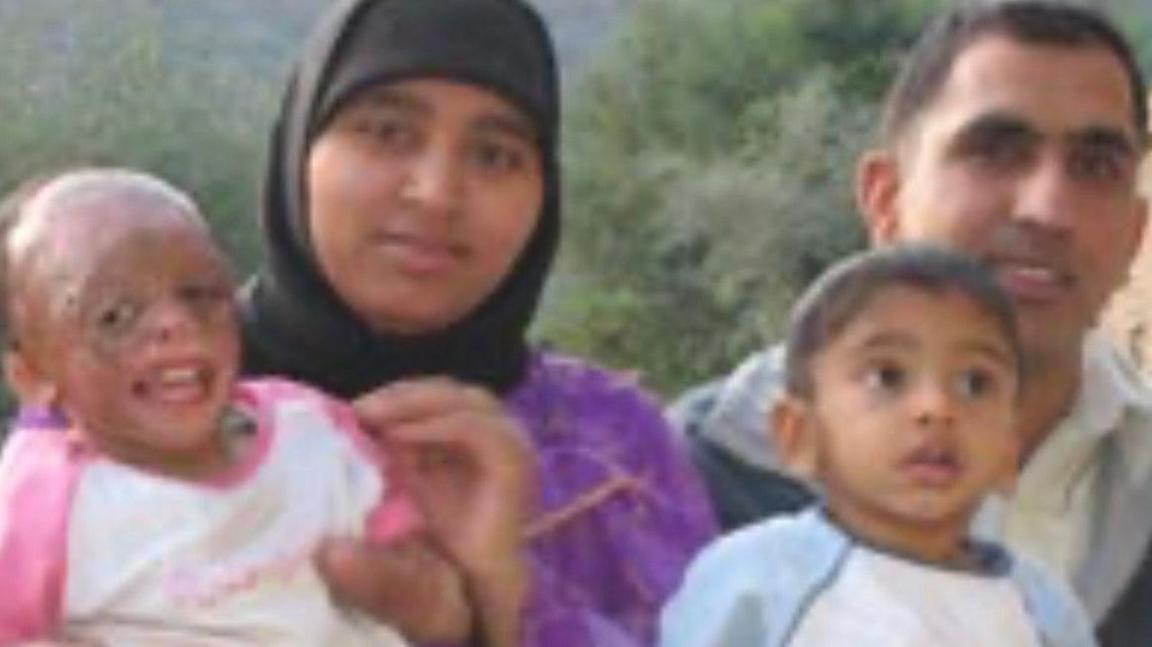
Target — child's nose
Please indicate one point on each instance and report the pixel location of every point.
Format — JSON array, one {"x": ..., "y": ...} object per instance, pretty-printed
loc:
[
  {"x": 167, "y": 322},
  {"x": 933, "y": 404}
]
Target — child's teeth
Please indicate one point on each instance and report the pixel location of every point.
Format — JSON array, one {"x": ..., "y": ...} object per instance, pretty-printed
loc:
[{"x": 178, "y": 375}]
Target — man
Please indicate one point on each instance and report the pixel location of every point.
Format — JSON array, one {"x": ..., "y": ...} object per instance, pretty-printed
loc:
[{"x": 1013, "y": 133}]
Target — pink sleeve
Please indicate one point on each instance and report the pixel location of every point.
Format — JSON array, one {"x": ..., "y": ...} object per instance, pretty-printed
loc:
[
  {"x": 38, "y": 476},
  {"x": 395, "y": 515}
]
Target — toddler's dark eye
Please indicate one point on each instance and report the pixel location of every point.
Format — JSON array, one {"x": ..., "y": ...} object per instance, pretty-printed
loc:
[
  {"x": 975, "y": 383},
  {"x": 888, "y": 378}
]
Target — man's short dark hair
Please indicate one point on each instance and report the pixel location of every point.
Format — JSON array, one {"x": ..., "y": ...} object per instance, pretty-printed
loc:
[
  {"x": 838, "y": 297},
  {"x": 1034, "y": 22}
]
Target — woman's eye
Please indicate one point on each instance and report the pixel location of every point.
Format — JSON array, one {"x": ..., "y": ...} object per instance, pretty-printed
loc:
[
  {"x": 888, "y": 378},
  {"x": 498, "y": 157},
  {"x": 389, "y": 132}
]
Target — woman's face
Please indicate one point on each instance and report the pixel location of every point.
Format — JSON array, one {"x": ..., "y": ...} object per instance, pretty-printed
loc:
[{"x": 421, "y": 195}]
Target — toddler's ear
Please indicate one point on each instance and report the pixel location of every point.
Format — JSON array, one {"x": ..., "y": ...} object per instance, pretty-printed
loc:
[
  {"x": 794, "y": 435},
  {"x": 30, "y": 385}
]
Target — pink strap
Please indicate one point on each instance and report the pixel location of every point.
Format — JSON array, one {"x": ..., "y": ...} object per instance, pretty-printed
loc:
[{"x": 38, "y": 475}]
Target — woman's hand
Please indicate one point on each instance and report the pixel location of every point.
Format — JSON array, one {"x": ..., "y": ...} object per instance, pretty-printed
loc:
[
  {"x": 464, "y": 460},
  {"x": 470, "y": 469}
]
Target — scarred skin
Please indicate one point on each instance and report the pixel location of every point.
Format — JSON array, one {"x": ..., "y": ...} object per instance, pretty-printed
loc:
[{"x": 148, "y": 293}]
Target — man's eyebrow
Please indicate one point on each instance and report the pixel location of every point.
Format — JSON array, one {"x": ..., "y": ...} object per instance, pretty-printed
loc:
[
  {"x": 997, "y": 125},
  {"x": 1106, "y": 137}
]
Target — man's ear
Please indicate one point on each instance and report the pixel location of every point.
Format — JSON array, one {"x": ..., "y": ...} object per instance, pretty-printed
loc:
[
  {"x": 794, "y": 435},
  {"x": 26, "y": 381},
  {"x": 877, "y": 194}
]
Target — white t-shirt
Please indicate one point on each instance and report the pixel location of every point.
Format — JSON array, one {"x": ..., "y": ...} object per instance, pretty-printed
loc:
[
  {"x": 147, "y": 559},
  {"x": 883, "y": 601}
]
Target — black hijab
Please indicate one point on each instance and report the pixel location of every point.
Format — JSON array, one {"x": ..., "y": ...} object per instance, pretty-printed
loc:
[{"x": 294, "y": 323}]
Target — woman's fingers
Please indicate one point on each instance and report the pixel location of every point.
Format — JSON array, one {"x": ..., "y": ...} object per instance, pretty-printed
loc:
[
  {"x": 466, "y": 461},
  {"x": 441, "y": 421},
  {"x": 421, "y": 398}
]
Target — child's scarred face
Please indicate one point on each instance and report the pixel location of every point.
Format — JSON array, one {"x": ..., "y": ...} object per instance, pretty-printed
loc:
[
  {"x": 912, "y": 419},
  {"x": 133, "y": 331}
]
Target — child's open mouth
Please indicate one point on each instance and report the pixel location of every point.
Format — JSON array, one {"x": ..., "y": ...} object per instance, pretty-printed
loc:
[
  {"x": 177, "y": 385},
  {"x": 933, "y": 466}
]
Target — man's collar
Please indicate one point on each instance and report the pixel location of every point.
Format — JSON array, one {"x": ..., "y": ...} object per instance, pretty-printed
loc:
[{"x": 1115, "y": 402}]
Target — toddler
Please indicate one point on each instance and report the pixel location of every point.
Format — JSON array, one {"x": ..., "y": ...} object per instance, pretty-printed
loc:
[
  {"x": 176, "y": 505},
  {"x": 902, "y": 377}
]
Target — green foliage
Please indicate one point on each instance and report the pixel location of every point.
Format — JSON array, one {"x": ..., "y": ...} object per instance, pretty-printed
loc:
[
  {"x": 102, "y": 87},
  {"x": 709, "y": 174},
  {"x": 709, "y": 170},
  {"x": 98, "y": 83}
]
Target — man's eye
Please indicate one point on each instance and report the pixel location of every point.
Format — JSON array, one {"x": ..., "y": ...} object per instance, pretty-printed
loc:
[
  {"x": 1000, "y": 154},
  {"x": 1097, "y": 165},
  {"x": 886, "y": 378}
]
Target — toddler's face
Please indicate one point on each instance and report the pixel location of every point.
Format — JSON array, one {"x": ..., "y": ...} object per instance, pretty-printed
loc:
[
  {"x": 913, "y": 414},
  {"x": 138, "y": 336}
]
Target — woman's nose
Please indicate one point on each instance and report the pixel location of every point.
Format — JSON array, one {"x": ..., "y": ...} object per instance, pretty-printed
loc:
[{"x": 435, "y": 180}]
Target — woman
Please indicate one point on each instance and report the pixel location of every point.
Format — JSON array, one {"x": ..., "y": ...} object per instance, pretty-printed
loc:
[{"x": 411, "y": 216}]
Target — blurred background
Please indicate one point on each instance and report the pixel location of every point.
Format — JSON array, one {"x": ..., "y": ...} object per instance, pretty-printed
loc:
[{"x": 709, "y": 145}]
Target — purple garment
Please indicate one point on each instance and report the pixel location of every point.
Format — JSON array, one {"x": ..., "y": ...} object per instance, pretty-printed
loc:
[
  {"x": 34, "y": 417},
  {"x": 621, "y": 510}
]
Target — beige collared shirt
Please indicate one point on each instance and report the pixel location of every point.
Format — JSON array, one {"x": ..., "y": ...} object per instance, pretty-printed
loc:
[{"x": 1079, "y": 506}]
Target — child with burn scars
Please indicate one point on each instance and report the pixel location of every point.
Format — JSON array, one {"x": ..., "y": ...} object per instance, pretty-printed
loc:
[{"x": 168, "y": 502}]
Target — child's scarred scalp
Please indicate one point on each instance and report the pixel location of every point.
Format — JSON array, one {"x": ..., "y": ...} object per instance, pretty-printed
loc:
[{"x": 70, "y": 225}]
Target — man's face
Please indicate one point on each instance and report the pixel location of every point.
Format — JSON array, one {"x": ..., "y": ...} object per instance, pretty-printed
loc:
[{"x": 1027, "y": 160}]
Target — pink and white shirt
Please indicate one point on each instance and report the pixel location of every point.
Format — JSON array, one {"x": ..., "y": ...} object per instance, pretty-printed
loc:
[{"x": 100, "y": 551}]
